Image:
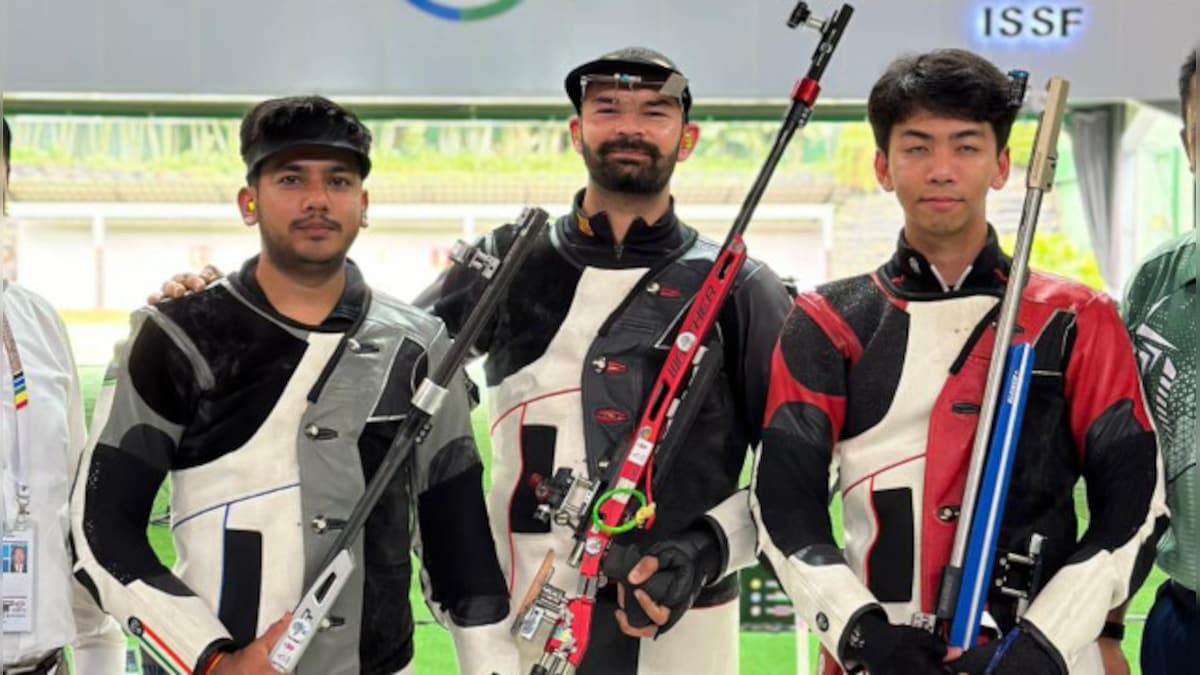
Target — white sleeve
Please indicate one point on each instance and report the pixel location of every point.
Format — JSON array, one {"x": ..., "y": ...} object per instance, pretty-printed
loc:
[
  {"x": 100, "y": 644},
  {"x": 734, "y": 523}
]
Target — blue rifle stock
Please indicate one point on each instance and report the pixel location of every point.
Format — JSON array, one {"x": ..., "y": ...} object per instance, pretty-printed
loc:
[
  {"x": 989, "y": 511},
  {"x": 966, "y": 580}
]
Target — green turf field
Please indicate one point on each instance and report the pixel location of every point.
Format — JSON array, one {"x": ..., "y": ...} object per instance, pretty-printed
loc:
[{"x": 761, "y": 653}]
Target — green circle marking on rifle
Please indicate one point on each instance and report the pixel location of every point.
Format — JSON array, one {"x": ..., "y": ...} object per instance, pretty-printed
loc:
[{"x": 627, "y": 525}]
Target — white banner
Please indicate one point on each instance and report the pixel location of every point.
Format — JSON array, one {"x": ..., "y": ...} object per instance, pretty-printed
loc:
[{"x": 520, "y": 49}]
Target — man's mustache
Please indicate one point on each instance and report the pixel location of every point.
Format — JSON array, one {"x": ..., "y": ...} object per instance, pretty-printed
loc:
[
  {"x": 630, "y": 144},
  {"x": 317, "y": 221}
]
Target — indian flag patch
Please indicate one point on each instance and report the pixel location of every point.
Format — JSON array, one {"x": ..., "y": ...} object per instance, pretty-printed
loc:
[{"x": 164, "y": 655}]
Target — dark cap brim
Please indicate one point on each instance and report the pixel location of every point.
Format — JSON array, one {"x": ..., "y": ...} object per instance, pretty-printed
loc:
[
  {"x": 261, "y": 152},
  {"x": 574, "y": 84}
]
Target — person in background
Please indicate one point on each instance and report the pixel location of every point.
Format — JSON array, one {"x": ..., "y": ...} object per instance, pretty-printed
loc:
[
  {"x": 1161, "y": 313},
  {"x": 42, "y": 436}
]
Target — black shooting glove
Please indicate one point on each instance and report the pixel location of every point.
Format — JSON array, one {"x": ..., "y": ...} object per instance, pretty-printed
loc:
[
  {"x": 686, "y": 564},
  {"x": 1022, "y": 651},
  {"x": 888, "y": 649}
]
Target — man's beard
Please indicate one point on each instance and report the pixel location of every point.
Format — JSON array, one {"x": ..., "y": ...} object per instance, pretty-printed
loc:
[{"x": 627, "y": 177}]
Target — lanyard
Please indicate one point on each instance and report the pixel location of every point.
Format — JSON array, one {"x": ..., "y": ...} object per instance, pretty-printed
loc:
[{"x": 21, "y": 422}]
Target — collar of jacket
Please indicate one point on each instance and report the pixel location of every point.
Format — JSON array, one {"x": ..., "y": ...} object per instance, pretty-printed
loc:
[
  {"x": 590, "y": 237},
  {"x": 350, "y": 307},
  {"x": 910, "y": 273}
]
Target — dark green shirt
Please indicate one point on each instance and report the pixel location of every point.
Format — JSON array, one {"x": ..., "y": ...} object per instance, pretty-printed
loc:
[{"x": 1161, "y": 313}]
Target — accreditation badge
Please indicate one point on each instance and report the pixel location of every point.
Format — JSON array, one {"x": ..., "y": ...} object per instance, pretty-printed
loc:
[{"x": 18, "y": 550}]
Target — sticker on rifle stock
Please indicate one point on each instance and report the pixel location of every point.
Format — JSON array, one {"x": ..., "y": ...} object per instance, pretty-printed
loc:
[{"x": 641, "y": 451}]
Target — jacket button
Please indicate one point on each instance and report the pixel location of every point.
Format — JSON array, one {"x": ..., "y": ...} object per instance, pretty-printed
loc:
[
  {"x": 964, "y": 408},
  {"x": 320, "y": 525},
  {"x": 947, "y": 514},
  {"x": 599, "y": 364},
  {"x": 330, "y": 623},
  {"x": 317, "y": 433},
  {"x": 336, "y": 622},
  {"x": 357, "y": 347}
]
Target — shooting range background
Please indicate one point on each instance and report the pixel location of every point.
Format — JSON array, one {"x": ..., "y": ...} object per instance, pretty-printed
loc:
[{"x": 126, "y": 111}]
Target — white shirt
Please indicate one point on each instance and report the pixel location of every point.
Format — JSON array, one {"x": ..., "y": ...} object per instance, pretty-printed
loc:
[{"x": 55, "y": 416}]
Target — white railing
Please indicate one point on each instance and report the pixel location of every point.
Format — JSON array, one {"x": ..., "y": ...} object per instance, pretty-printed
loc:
[
  {"x": 87, "y": 283},
  {"x": 467, "y": 213}
]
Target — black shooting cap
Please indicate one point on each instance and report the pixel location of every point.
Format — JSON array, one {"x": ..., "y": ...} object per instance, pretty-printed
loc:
[
  {"x": 280, "y": 124},
  {"x": 640, "y": 61}
]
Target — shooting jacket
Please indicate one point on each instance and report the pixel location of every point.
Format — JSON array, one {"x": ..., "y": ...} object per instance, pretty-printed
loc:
[
  {"x": 571, "y": 358},
  {"x": 878, "y": 379},
  {"x": 269, "y": 431}
]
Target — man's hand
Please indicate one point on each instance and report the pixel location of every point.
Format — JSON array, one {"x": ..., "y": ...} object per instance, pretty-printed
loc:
[
  {"x": 1019, "y": 652},
  {"x": 181, "y": 284},
  {"x": 1113, "y": 657},
  {"x": 659, "y": 615},
  {"x": 255, "y": 658},
  {"x": 666, "y": 581},
  {"x": 887, "y": 649}
]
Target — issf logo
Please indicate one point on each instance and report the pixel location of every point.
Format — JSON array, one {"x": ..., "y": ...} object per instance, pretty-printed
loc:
[{"x": 464, "y": 10}]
